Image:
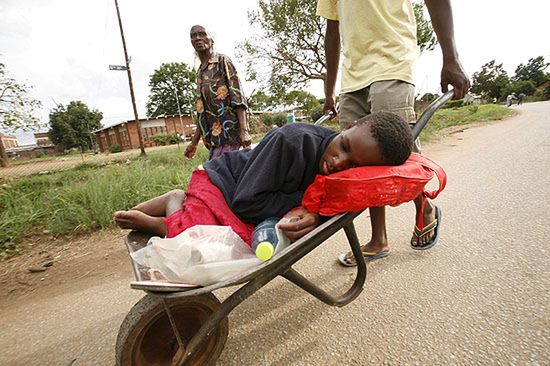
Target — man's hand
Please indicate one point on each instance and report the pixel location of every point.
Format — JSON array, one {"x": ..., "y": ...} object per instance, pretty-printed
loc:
[
  {"x": 190, "y": 150},
  {"x": 453, "y": 74},
  {"x": 303, "y": 223},
  {"x": 330, "y": 107},
  {"x": 245, "y": 138}
]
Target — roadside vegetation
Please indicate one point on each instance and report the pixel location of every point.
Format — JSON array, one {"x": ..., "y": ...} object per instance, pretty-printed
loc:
[
  {"x": 448, "y": 117},
  {"x": 83, "y": 199}
]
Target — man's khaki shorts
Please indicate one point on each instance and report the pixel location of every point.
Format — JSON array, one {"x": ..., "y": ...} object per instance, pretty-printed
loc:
[{"x": 394, "y": 96}]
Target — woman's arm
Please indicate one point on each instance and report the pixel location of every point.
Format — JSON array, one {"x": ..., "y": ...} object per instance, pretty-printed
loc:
[
  {"x": 191, "y": 149},
  {"x": 244, "y": 134}
]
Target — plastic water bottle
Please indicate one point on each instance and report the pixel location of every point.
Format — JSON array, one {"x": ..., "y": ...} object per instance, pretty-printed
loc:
[{"x": 264, "y": 238}]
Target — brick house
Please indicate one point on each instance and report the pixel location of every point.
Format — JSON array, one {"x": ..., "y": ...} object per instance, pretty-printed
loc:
[
  {"x": 126, "y": 136},
  {"x": 9, "y": 141},
  {"x": 42, "y": 139}
]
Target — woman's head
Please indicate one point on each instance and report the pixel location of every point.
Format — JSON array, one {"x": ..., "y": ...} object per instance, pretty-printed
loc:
[
  {"x": 201, "y": 40},
  {"x": 380, "y": 138}
]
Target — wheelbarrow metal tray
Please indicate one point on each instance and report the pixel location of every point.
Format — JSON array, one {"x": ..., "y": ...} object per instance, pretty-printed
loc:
[{"x": 281, "y": 262}]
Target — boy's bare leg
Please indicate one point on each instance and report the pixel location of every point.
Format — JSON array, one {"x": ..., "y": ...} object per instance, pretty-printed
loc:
[
  {"x": 379, "y": 239},
  {"x": 137, "y": 220},
  {"x": 162, "y": 206},
  {"x": 147, "y": 216},
  {"x": 429, "y": 216}
]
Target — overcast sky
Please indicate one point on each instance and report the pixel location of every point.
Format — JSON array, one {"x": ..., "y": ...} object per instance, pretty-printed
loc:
[{"x": 63, "y": 47}]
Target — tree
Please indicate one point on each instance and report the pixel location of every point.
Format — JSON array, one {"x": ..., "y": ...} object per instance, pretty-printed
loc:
[
  {"x": 425, "y": 36},
  {"x": 288, "y": 39},
  {"x": 71, "y": 126},
  {"x": 172, "y": 90},
  {"x": 526, "y": 87},
  {"x": 300, "y": 99},
  {"x": 429, "y": 97},
  {"x": 490, "y": 81},
  {"x": 533, "y": 71},
  {"x": 16, "y": 108},
  {"x": 260, "y": 101}
]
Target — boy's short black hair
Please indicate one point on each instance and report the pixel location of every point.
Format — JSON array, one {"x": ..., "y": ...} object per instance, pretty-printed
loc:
[{"x": 393, "y": 134}]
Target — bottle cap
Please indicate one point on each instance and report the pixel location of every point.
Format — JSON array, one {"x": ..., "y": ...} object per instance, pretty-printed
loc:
[{"x": 264, "y": 251}]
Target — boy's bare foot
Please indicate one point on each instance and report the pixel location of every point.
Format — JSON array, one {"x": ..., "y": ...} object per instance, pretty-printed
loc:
[
  {"x": 137, "y": 220},
  {"x": 370, "y": 252}
]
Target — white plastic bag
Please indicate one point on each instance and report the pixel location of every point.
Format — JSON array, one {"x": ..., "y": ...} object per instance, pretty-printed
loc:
[{"x": 201, "y": 255}]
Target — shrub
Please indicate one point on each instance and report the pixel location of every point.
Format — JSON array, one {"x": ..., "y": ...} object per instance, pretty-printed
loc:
[
  {"x": 270, "y": 119},
  {"x": 316, "y": 112},
  {"x": 173, "y": 138},
  {"x": 159, "y": 139},
  {"x": 166, "y": 139},
  {"x": 115, "y": 148},
  {"x": 256, "y": 125}
]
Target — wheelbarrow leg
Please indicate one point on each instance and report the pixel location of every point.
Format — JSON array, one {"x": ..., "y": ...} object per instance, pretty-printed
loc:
[{"x": 299, "y": 280}]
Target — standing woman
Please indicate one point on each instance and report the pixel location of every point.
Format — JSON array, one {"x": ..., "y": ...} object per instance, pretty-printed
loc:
[{"x": 220, "y": 102}]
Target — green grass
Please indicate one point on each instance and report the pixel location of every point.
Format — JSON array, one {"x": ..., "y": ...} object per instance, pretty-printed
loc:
[
  {"x": 83, "y": 199},
  {"x": 461, "y": 116}
]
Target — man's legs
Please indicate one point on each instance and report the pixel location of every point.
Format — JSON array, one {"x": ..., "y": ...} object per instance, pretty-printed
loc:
[
  {"x": 391, "y": 96},
  {"x": 354, "y": 106},
  {"x": 398, "y": 97},
  {"x": 148, "y": 216}
]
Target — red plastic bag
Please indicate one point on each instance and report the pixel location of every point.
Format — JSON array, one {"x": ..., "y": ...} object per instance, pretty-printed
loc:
[{"x": 359, "y": 188}]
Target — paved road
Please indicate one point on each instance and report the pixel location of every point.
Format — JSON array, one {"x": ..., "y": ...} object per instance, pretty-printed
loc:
[{"x": 481, "y": 296}]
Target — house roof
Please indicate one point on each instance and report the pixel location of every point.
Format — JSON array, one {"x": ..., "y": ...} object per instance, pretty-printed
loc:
[{"x": 141, "y": 120}]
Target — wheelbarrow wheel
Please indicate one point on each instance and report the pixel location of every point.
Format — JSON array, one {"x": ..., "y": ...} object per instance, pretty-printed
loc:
[{"x": 146, "y": 336}]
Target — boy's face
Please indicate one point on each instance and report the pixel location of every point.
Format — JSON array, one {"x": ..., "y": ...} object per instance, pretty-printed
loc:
[{"x": 353, "y": 147}]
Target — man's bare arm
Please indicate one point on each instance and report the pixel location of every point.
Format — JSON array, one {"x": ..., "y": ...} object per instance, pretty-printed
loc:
[{"x": 452, "y": 72}]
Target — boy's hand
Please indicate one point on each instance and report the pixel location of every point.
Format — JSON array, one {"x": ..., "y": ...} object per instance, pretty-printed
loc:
[{"x": 303, "y": 222}]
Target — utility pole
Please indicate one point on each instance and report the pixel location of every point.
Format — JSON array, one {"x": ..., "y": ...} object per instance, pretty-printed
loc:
[
  {"x": 138, "y": 124},
  {"x": 177, "y": 101}
]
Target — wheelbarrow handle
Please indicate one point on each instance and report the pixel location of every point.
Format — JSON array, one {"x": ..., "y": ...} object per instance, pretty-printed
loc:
[
  {"x": 325, "y": 117},
  {"x": 429, "y": 111}
]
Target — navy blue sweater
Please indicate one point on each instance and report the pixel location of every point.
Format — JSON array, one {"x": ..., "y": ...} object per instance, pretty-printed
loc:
[{"x": 270, "y": 179}]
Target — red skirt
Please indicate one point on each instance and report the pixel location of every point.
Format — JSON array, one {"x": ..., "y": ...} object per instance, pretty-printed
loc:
[{"x": 205, "y": 205}]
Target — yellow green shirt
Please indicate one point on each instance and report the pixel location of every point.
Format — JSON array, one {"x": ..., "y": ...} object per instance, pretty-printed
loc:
[{"x": 378, "y": 40}]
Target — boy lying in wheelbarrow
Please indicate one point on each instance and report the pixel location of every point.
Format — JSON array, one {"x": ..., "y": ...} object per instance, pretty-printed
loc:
[{"x": 242, "y": 188}]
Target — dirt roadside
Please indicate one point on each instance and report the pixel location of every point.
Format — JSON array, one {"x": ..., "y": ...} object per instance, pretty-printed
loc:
[{"x": 49, "y": 267}]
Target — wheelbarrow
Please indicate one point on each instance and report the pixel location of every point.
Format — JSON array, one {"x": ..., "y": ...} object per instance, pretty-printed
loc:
[{"x": 177, "y": 324}]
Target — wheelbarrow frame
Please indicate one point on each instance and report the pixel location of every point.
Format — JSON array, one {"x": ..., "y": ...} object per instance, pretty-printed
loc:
[{"x": 281, "y": 265}]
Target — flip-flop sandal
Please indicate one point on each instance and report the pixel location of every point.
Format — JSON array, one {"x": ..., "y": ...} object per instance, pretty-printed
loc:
[
  {"x": 368, "y": 256},
  {"x": 435, "y": 226}
]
